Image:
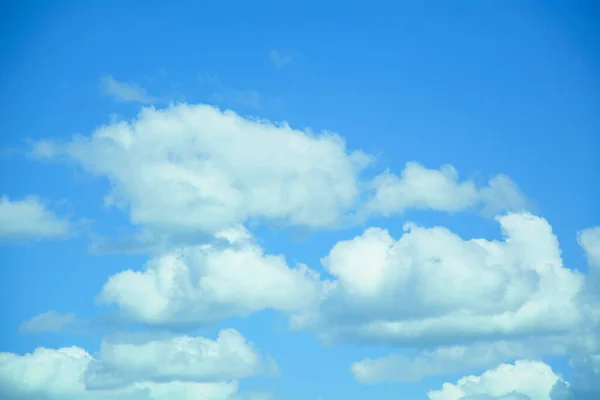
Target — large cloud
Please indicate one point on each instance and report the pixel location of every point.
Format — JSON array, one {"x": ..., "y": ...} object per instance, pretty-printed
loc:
[
  {"x": 181, "y": 367},
  {"x": 194, "y": 167},
  {"x": 427, "y": 288},
  {"x": 205, "y": 283},
  {"x": 431, "y": 287},
  {"x": 30, "y": 219},
  {"x": 523, "y": 380}
]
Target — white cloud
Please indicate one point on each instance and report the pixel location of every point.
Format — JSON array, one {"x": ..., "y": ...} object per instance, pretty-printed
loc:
[
  {"x": 29, "y": 219},
  {"x": 50, "y": 321},
  {"x": 431, "y": 287},
  {"x": 183, "y": 358},
  {"x": 125, "y": 91},
  {"x": 200, "y": 284},
  {"x": 441, "y": 361},
  {"x": 589, "y": 240},
  {"x": 197, "y": 168},
  {"x": 418, "y": 187},
  {"x": 53, "y": 374},
  {"x": 279, "y": 58},
  {"x": 180, "y": 368},
  {"x": 190, "y": 168},
  {"x": 523, "y": 380}
]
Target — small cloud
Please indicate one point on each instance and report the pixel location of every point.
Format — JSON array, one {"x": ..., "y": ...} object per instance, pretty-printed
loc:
[
  {"x": 279, "y": 58},
  {"x": 126, "y": 91},
  {"x": 51, "y": 321},
  {"x": 30, "y": 219}
]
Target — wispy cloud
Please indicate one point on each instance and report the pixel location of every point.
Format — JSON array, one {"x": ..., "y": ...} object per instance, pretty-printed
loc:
[
  {"x": 51, "y": 321},
  {"x": 280, "y": 58},
  {"x": 130, "y": 92}
]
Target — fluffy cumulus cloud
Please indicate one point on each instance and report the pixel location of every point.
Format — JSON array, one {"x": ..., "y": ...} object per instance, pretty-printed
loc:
[
  {"x": 194, "y": 167},
  {"x": 182, "y": 367},
  {"x": 183, "y": 358},
  {"x": 187, "y": 171},
  {"x": 441, "y": 189},
  {"x": 431, "y": 287},
  {"x": 205, "y": 283},
  {"x": 523, "y": 380},
  {"x": 29, "y": 219}
]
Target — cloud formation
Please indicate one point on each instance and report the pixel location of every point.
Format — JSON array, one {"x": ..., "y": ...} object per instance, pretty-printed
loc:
[
  {"x": 181, "y": 367},
  {"x": 191, "y": 170},
  {"x": 428, "y": 288},
  {"x": 30, "y": 219},
  {"x": 201, "y": 284},
  {"x": 523, "y": 380},
  {"x": 183, "y": 358},
  {"x": 194, "y": 167},
  {"x": 197, "y": 168},
  {"x": 431, "y": 287},
  {"x": 418, "y": 187}
]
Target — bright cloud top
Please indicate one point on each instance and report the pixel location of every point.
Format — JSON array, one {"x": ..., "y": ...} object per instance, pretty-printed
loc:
[
  {"x": 205, "y": 283},
  {"x": 428, "y": 287},
  {"x": 183, "y": 358},
  {"x": 523, "y": 380},
  {"x": 30, "y": 219},
  {"x": 182, "y": 367},
  {"x": 190, "y": 169},
  {"x": 194, "y": 167},
  {"x": 432, "y": 287}
]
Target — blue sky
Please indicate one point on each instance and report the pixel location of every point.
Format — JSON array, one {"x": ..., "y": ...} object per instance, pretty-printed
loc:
[{"x": 465, "y": 120}]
